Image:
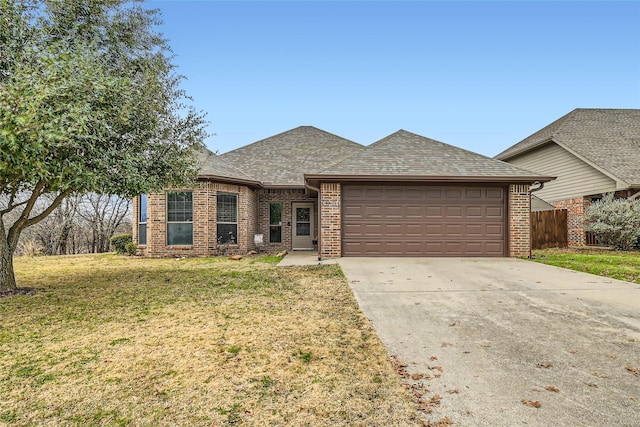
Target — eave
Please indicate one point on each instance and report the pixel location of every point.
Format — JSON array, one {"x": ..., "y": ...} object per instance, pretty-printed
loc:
[
  {"x": 315, "y": 179},
  {"x": 524, "y": 150},
  {"x": 228, "y": 180}
]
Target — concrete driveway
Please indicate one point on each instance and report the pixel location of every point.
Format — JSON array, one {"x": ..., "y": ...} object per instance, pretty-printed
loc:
[{"x": 502, "y": 331}]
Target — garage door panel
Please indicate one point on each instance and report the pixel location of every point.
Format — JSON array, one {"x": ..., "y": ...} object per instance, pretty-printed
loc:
[
  {"x": 495, "y": 193},
  {"x": 495, "y": 212},
  {"x": 423, "y": 221}
]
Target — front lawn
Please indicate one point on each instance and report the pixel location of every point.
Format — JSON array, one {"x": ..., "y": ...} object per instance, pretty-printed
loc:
[
  {"x": 615, "y": 264},
  {"x": 112, "y": 340}
]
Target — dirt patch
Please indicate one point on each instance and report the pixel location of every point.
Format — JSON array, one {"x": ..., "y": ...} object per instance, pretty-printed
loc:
[{"x": 18, "y": 291}]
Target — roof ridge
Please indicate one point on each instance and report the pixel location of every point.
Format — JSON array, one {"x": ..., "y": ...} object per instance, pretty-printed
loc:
[
  {"x": 260, "y": 141},
  {"x": 537, "y": 138}
]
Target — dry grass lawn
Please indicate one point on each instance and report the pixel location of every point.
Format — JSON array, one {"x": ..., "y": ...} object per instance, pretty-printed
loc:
[{"x": 112, "y": 340}]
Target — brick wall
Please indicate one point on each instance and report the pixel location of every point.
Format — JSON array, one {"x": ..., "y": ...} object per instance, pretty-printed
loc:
[
  {"x": 575, "y": 218},
  {"x": 519, "y": 221},
  {"x": 204, "y": 222},
  {"x": 331, "y": 220},
  {"x": 287, "y": 197}
]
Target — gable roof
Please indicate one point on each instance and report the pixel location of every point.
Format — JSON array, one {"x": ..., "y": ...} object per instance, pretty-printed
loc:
[
  {"x": 211, "y": 166},
  {"x": 408, "y": 155},
  {"x": 283, "y": 159},
  {"x": 607, "y": 139}
]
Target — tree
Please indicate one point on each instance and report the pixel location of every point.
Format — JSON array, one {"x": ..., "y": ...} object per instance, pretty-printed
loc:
[
  {"x": 89, "y": 102},
  {"x": 615, "y": 222}
]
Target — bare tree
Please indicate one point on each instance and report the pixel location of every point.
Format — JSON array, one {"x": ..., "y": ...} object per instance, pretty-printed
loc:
[{"x": 103, "y": 215}]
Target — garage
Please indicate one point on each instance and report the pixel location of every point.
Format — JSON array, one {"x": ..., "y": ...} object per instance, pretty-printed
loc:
[{"x": 424, "y": 220}]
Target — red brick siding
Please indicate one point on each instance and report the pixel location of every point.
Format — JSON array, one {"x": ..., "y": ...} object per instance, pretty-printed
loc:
[
  {"x": 331, "y": 220},
  {"x": 519, "y": 221},
  {"x": 287, "y": 197},
  {"x": 204, "y": 221},
  {"x": 575, "y": 218}
]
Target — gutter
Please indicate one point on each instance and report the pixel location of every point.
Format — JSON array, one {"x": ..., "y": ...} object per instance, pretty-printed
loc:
[
  {"x": 227, "y": 180},
  {"x": 433, "y": 179}
]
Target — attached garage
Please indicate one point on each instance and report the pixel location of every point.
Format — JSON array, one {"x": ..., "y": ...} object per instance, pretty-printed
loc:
[
  {"x": 424, "y": 220},
  {"x": 407, "y": 195}
]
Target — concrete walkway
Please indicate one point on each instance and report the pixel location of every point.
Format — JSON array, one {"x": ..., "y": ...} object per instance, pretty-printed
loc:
[{"x": 301, "y": 258}]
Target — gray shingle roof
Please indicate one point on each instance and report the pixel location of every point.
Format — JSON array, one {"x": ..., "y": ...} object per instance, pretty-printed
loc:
[
  {"x": 283, "y": 159},
  {"x": 211, "y": 164},
  {"x": 607, "y": 138},
  {"x": 408, "y": 154}
]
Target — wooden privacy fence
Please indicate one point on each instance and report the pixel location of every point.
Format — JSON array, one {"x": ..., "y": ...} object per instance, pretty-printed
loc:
[{"x": 549, "y": 229}]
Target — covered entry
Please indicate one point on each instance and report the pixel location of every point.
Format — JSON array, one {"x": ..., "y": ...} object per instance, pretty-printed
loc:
[{"x": 424, "y": 220}]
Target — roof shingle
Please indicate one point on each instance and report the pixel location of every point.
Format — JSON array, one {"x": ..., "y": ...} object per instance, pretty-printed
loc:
[
  {"x": 607, "y": 138},
  {"x": 283, "y": 159},
  {"x": 408, "y": 154},
  {"x": 211, "y": 165}
]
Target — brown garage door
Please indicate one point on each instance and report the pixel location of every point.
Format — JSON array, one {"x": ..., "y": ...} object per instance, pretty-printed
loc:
[{"x": 423, "y": 221}]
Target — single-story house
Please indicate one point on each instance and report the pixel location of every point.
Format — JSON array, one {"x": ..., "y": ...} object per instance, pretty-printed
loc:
[
  {"x": 307, "y": 189},
  {"x": 591, "y": 152}
]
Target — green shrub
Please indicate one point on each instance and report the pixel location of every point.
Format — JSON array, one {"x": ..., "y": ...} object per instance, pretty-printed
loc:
[
  {"x": 120, "y": 242},
  {"x": 131, "y": 248},
  {"x": 615, "y": 222}
]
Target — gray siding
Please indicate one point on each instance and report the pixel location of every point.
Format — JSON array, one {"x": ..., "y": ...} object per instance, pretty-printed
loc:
[{"x": 575, "y": 178}]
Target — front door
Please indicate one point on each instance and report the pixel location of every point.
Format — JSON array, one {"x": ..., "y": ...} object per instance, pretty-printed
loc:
[{"x": 302, "y": 229}]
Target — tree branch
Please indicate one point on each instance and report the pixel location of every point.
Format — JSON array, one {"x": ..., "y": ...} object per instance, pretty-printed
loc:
[{"x": 56, "y": 202}]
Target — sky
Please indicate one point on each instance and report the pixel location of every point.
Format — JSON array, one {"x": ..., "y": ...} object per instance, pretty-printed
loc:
[{"x": 478, "y": 75}]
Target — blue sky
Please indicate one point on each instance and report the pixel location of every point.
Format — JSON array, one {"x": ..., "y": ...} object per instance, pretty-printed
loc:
[{"x": 479, "y": 75}]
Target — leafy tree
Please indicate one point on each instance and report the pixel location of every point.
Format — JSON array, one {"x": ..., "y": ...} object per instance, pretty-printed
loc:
[
  {"x": 615, "y": 222},
  {"x": 89, "y": 102}
]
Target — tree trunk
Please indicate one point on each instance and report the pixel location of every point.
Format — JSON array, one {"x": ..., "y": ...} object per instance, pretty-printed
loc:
[{"x": 7, "y": 275}]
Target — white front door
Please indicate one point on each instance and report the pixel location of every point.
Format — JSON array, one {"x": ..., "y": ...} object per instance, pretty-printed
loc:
[{"x": 302, "y": 229}]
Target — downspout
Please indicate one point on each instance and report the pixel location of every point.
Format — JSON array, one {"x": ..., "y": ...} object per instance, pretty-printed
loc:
[
  {"x": 533, "y": 190},
  {"x": 318, "y": 223}
]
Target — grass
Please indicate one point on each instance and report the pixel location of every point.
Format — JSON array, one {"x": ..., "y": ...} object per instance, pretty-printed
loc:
[
  {"x": 113, "y": 340},
  {"x": 615, "y": 264}
]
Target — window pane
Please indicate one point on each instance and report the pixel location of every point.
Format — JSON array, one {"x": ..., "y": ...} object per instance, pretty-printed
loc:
[
  {"x": 228, "y": 233},
  {"x": 303, "y": 229},
  {"x": 142, "y": 234},
  {"x": 275, "y": 214},
  {"x": 143, "y": 208},
  {"x": 180, "y": 234},
  {"x": 275, "y": 234},
  {"x": 180, "y": 206},
  {"x": 227, "y": 208},
  {"x": 303, "y": 214}
]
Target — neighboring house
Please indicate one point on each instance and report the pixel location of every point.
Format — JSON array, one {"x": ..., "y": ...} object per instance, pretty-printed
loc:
[
  {"x": 537, "y": 204},
  {"x": 591, "y": 152},
  {"x": 306, "y": 189}
]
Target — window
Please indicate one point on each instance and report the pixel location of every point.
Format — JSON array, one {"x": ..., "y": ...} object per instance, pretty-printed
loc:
[
  {"x": 142, "y": 219},
  {"x": 180, "y": 218},
  {"x": 227, "y": 218},
  {"x": 275, "y": 222}
]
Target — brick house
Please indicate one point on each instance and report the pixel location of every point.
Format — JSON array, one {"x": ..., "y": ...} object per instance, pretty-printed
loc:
[
  {"x": 591, "y": 152},
  {"x": 307, "y": 189}
]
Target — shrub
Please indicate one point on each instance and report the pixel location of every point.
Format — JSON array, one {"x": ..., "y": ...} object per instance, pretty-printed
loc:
[
  {"x": 131, "y": 248},
  {"x": 120, "y": 242},
  {"x": 615, "y": 222},
  {"x": 30, "y": 248}
]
